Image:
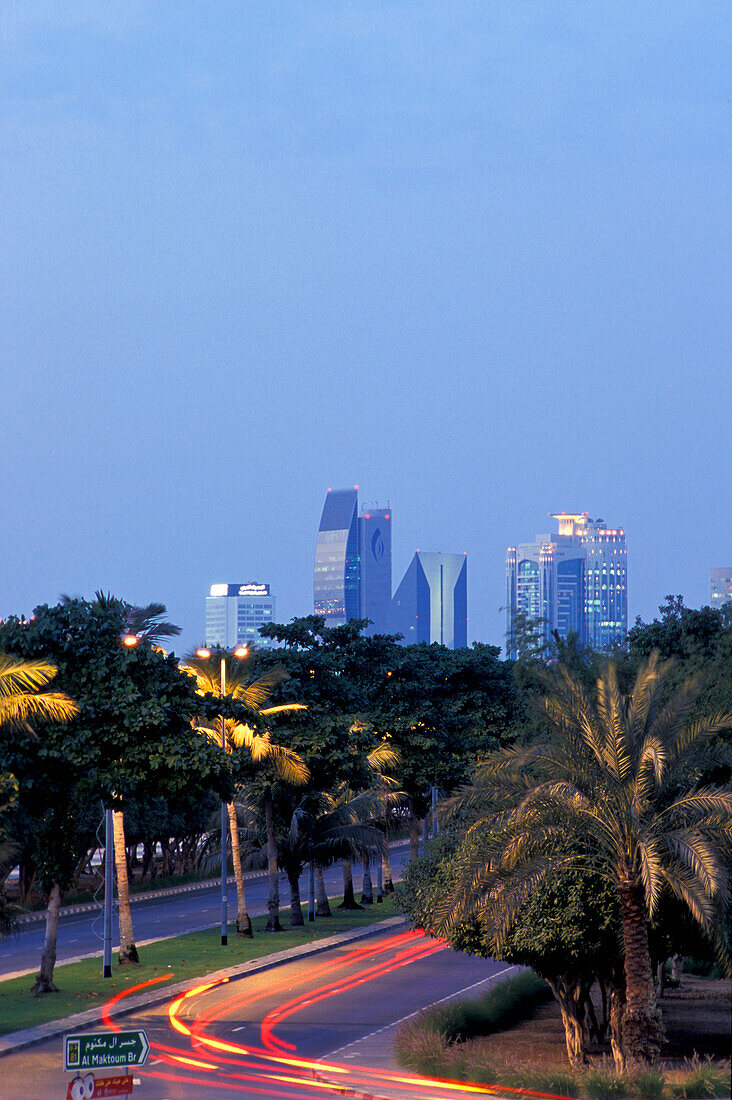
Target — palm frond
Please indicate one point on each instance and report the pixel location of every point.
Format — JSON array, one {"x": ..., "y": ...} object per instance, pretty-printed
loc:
[
  {"x": 22, "y": 710},
  {"x": 19, "y": 675}
]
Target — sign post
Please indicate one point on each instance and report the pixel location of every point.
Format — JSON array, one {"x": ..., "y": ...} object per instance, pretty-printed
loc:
[{"x": 90, "y": 1051}]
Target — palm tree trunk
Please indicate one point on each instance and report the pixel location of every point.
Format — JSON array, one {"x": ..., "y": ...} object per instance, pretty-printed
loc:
[
  {"x": 349, "y": 899},
  {"x": 127, "y": 949},
  {"x": 273, "y": 901},
  {"x": 367, "y": 889},
  {"x": 243, "y": 923},
  {"x": 642, "y": 1025},
  {"x": 44, "y": 979},
  {"x": 296, "y": 917},
  {"x": 323, "y": 909},
  {"x": 386, "y": 871}
]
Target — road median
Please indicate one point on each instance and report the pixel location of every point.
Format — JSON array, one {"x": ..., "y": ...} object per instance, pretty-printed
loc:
[{"x": 172, "y": 965}]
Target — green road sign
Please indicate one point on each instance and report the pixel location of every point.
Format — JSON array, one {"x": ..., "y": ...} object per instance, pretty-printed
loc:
[{"x": 105, "y": 1048}]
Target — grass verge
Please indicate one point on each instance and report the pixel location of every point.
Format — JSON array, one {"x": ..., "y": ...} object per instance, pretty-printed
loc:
[
  {"x": 81, "y": 985},
  {"x": 423, "y": 1041},
  {"x": 450, "y": 1041}
]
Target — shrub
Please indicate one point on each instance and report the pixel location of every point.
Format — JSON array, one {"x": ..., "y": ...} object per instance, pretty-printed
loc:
[
  {"x": 702, "y": 1079},
  {"x": 421, "y": 1047},
  {"x": 647, "y": 1083},
  {"x": 603, "y": 1083},
  {"x": 558, "y": 1081},
  {"x": 505, "y": 1004}
]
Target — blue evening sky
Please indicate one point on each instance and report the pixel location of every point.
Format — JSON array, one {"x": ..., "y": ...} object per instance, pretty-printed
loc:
[{"x": 473, "y": 256}]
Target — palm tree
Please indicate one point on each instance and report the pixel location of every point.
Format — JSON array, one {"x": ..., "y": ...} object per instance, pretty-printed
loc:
[
  {"x": 21, "y": 703},
  {"x": 615, "y": 790},
  {"x": 277, "y": 763},
  {"x": 374, "y": 784},
  {"x": 251, "y": 694}
]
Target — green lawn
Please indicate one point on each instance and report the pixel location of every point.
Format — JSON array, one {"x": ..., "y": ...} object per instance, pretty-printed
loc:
[{"x": 81, "y": 985}]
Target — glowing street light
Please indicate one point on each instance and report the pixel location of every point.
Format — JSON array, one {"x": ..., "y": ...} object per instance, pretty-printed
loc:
[{"x": 130, "y": 640}]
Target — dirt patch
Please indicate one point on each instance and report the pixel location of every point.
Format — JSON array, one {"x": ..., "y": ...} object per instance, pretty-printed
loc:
[{"x": 696, "y": 1016}]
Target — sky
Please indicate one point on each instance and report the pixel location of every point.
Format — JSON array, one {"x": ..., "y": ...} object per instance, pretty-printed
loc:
[{"x": 471, "y": 256}]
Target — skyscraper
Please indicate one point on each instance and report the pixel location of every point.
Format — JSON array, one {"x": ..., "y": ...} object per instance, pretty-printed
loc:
[
  {"x": 374, "y": 553},
  {"x": 337, "y": 576},
  {"x": 352, "y": 578},
  {"x": 574, "y": 580},
  {"x": 720, "y": 586},
  {"x": 431, "y": 603},
  {"x": 234, "y": 613}
]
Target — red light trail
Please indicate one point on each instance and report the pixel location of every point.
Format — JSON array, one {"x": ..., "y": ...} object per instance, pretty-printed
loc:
[{"x": 274, "y": 1066}]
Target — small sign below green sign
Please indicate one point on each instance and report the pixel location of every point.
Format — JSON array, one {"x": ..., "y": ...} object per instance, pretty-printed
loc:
[{"x": 105, "y": 1048}]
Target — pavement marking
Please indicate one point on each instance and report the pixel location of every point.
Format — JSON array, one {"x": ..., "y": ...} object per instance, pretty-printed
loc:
[{"x": 386, "y": 1027}]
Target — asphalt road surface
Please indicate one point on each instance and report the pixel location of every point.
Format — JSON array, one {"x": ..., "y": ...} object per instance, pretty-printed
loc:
[
  {"x": 301, "y": 1030},
  {"x": 154, "y": 919}
]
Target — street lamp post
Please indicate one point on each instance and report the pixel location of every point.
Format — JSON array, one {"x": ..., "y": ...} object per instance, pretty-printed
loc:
[
  {"x": 240, "y": 651},
  {"x": 129, "y": 640}
]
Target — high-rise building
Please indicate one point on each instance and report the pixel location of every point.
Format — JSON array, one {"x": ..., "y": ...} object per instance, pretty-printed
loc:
[
  {"x": 374, "y": 554},
  {"x": 234, "y": 613},
  {"x": 720, "y": 585},
  {"x": 431, "y": 603},
  {"x": 352, "y": 578},
  {"x": 573, "y": 580},
  {"x": 337, "y": 576}
]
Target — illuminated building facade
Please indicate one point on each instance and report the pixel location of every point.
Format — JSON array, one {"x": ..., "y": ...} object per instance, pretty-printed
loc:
[
  {"x": 352, "y": 578},
  {"x": 720, "y": 586},
  {"x": 431, "y": 603},
  {"x": 574, "y": 580},
  {"x": 235, "y": 612}
]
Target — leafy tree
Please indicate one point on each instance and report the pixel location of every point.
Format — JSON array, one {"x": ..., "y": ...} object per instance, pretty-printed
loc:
[
  {"x": 700, "y": 642},
  {"x": 442, "y": 710},
  {"x": 617, "y": 782},
  {"x": 132, "y": 737},
  {"x": 567, "y": 930}
]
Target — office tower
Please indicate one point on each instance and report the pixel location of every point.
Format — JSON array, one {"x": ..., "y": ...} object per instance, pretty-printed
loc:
[
  {"x": 234, "y": 613},
  {"x": 573, "y": 580},
  {"x": 431, "y": 603},
  {"x": 352, "y": 578},
  {"x": 720, "y": 583},
  {"x": 337, "y": 576},
  {"x": 374, "y": 553}
]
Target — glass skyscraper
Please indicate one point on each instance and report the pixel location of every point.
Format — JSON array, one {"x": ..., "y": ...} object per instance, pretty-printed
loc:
[
  {"x": 574, "y": 580},
  {"x": 352, "y": 578},
  {"x": 374, "y": 555},
  {"x": 337, "y": 576},
  {"x": 431, "y": 603}
]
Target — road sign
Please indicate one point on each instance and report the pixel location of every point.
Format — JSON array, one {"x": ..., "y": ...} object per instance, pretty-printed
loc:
[
  {"x": 87, "y": 1088},
  {"x": 97, "y": 1049}
]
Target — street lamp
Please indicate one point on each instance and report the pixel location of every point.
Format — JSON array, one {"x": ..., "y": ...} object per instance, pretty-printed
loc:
[
  {"x": 240, "y": 651},
  {"x": 129, "y": 640}
]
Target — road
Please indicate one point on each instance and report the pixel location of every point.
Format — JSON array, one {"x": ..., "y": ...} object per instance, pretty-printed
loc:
[
  {"x": 171, "y": 916},
  {"x": 302, "y": 1030}
]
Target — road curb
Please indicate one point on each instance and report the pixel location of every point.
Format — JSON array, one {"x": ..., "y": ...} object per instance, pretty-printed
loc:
[
  {"x": 19, "y": 1040},
  {"x": 39, "y": 915}
]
